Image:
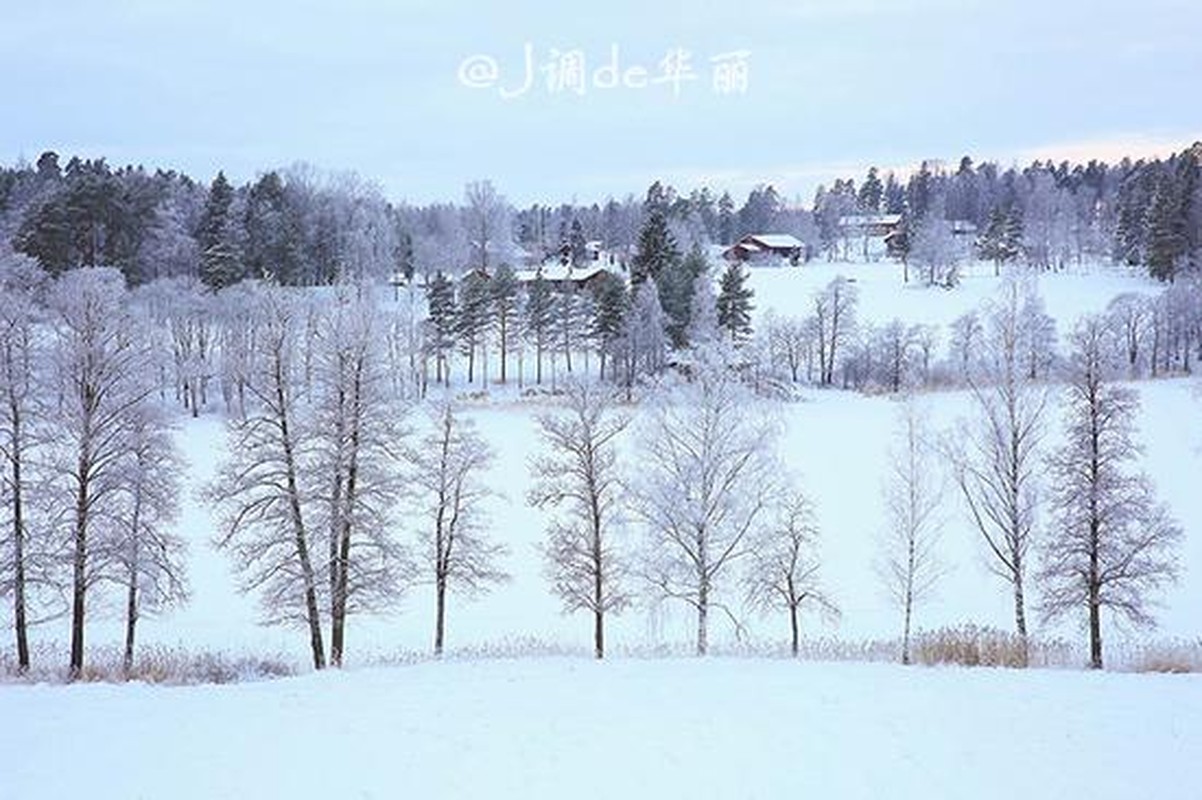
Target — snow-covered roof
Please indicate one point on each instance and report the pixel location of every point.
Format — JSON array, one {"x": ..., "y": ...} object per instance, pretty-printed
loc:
[
  {"x": 774, "y": 241},
  {"x": 560, "y": 272},
  {"x": 864, "y": 220}
]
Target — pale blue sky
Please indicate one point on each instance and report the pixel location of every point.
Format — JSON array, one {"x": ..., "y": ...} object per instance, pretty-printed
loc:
[{"x": 373, "y": 87}]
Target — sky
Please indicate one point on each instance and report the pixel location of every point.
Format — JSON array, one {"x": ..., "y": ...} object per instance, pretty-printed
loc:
[{"x": 558, "y": 102}]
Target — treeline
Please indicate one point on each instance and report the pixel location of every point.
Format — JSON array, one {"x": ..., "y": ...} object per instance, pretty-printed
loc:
[{"x": 301, "y": 227}]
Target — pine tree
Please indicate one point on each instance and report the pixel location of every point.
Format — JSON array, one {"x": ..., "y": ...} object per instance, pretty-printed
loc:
[
  {"x": 504, "y": 288},
  {"x": 473, "y": 319},
  {"x": 219, "y": 257},
  {"x": 998, "y": 242},
  {"x": 610, "y": 305},
  {"x": 871, "y": 192},
  {"x": 577, "y": 246},
  {"x": 440, "y": 297},
  {"x": 540, "y": 308},
  {"x": 676, "y": 293},
  {"x": 734, "y": 303},
  {"x": 657, "y": 249},
  {"x": 1166, "y": 237},
  {"x": 726, "y": 219}
]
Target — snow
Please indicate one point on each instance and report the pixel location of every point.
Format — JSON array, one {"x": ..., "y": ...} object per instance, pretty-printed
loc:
[
  {"x": 542, "y": 728},
  {"x": 667, "y": 727}
]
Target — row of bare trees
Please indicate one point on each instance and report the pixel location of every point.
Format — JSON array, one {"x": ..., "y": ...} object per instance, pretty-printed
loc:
[
  {"x": 1107, "y": 545},
  {"x": 719, "y": 519},
  {"x": 1151, "y": 335},
  {"x": 91, "y": 472}
]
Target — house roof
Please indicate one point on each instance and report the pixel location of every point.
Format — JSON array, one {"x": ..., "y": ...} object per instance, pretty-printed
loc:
[
  {"x": 864, "y": 220},
  {"x": 559, "y": 272},
  {"x": 773, "y": 241}
]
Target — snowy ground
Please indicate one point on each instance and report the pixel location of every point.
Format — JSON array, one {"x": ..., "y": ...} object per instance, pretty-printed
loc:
[
  {"x": 546, "y": 728},
  {"x": 748, "y": 727}
]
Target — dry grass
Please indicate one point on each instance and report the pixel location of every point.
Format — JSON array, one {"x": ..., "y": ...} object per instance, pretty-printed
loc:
[
  {"x": 964, "y": 646},
  {"x": 1177, "y": 657},
  {"x": 157, "y": 665}
]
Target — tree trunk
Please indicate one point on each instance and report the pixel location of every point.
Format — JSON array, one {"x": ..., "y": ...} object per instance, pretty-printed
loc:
[
  {"x": 131, "y": 621},
  {"x": 300, "y": 539},
  {"x": 342, "y": 562},
  {"x": 440, "y": 613},
  {"x": 794, "y": 630},
  {"x": 1095, "y": 615},
  {"x": 1020, "y": 618},
  {"x": 79, "y": 572},
  {"x": 504, "y": 349},
  {"x": 131, "y": 605},
  {"x": 18, "y": 507},
  {"x": 702, "y": 618}
]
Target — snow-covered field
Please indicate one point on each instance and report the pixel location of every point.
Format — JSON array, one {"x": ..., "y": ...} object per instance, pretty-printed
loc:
[
  {"x": 745, "y": 727},
  {"x": 544, "y": 728}
]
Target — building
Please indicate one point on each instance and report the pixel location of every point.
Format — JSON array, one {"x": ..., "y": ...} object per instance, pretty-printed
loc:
[
  {"x": 875, "y": 226},
  {"x": 765, "y": 247},
  {"x": 565, "y": 276}
]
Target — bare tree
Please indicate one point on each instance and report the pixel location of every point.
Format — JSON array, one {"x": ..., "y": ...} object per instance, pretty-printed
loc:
[
  {"x": 1129, "y": 315},
  {"x": 913, "y": 493},
  {"x": 258, "y": 489},
  {"x": 578, "y": 476},
  {"x": 148, "y": 552},
  {"x": 783, "y": 575},
  {"x": 896, "y": 345},
  {"x": 707, "y": 474},
  {"x": 935, "y": 250},
  {"x": 1113, "y": 544},
  {"x": 834, "y": 323},
  {"x": 354, "y": 481},
  {"x": 791, "y": 342},
  {"x": 448, "y": 496},
  {"x": 486, "y": 220},
  {"x": 101, "y": 361},
  {"x": 963, "y": 349},
  {"x": 997, "y": 458},
  {"x": 21, "y": 284}
]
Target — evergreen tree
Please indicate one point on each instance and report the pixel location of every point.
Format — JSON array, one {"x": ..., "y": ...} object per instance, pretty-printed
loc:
[
  {"x": 1166, "y": 235},
  {"x": 219, "y": 257},
  {"x": 609, "y": 314},
  {"x": 577, "y": 246},
  {"x": 657, "y": 250},
  {"x": 540, "y": 309},
  {"x": 734, "y": 303},
  {"x": 505, "y": 288},
  {"x": 998, "y": 243},
  {"x": 675, "y": 286},
  {"x": 726, "y": 219},
  {"x": 440, "y": 297},
  {"x": 473, "y": 319},
  {"x": 871, "y": 192}
]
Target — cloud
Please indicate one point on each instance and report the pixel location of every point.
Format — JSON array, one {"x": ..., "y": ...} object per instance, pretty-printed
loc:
[{"x": 1112, "y": 148}]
